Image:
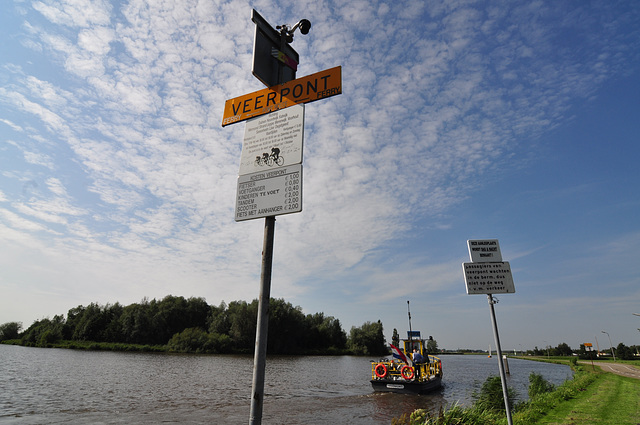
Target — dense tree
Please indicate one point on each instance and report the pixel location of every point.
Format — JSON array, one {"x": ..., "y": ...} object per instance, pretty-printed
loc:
[
  {"x": 432, "y": 346},
  {"x": 196, "y": 340},
  {"x": 113, "y": 330},
  {"x": 175, "y": 314},
  {"x": 242, "y": 318},
  {"x": 624, "y": 353},
  {"x": 45, "y": 332},
  {"x": 395, "y": 339},
  {"x": 198, "y": 312},
  {"x": 136, "y": 323},
  {"x": 10, "y": 330},
  {"x": 368, "y": 340},
  {"x": 191, "y": 325},
  {"x": 287, "y": 330},
  {"x": 95, "y": 323},
  {"x": 562, "y": 349},
  {"x": 540, "y": 351},
  {"x": 73, "y": 317},
  {"x": 218, "y": 321},
  {"x": 325, "y": 333}
]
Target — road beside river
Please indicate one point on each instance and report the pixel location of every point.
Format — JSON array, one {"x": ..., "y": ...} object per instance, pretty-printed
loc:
[{"x": 618, "y": 368}]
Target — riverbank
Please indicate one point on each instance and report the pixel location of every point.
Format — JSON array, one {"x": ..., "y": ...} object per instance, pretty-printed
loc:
[
  {"x": 593, "y": 396},
  {"x": 609, "y": 400},
  {"x": 612, "y": 399}
]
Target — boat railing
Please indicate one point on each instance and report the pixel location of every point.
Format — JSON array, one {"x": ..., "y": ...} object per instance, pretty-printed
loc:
[{"x": 396, "y": 370}]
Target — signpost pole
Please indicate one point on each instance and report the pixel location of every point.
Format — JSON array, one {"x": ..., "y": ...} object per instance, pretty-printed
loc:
[
  {"x": 500, "y": 364},
  {"x": 262, "y": 327},
  {"x": 266, "y": 43},
  {"x": 488, "y": 274}
]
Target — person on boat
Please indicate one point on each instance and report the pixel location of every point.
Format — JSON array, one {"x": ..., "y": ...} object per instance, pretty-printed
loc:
[{"x": 417, "y": 357}]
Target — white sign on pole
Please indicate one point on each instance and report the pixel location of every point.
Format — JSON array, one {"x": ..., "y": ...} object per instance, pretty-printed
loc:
[
  {"x": 488, "y": 278},
  {"x": 269, "y": 193},
  {"x": 484, "y": 251},
  {"x": 273, "y": 140}
]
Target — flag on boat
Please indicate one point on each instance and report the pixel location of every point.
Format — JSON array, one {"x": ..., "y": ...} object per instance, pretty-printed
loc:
[{"x": 400, "y": 355}]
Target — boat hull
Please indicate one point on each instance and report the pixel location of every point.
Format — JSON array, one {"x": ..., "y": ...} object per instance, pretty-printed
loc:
[{"x": 406, "y": 387}]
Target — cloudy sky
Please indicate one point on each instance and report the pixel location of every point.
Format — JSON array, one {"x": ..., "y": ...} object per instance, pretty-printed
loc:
[{"x": 509, "y": 120}]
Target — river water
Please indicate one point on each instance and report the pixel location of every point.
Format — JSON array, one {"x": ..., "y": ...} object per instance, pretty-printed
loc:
[{"x": 55, "y": 386}]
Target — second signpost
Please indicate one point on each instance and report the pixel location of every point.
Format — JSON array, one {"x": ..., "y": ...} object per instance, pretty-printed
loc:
[{"x": 488, "y": 274}]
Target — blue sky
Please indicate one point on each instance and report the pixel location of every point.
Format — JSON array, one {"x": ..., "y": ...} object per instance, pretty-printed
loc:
[{"x": 514, "y": 120}]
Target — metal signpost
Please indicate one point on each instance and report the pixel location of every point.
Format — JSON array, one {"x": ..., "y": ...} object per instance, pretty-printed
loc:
[
  {"x": 270, "y": 176},
  {"x": 588, "y": 346},
  {"x": 488, "y": 274}
]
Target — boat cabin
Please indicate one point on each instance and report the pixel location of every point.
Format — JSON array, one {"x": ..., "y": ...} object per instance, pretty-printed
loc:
[{"x": 414, "y": 341}]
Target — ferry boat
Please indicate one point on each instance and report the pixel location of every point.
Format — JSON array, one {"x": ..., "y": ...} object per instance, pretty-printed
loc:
[{"x": 402, "y": 375}]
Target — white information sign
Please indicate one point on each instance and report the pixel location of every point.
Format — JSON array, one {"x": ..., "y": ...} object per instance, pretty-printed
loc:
[
  {"x": 484, "y": 251},
  {"x": 488, "y": 278},
  {"x": 273, "y": 140},
  {"x": 269, "y": 193}
]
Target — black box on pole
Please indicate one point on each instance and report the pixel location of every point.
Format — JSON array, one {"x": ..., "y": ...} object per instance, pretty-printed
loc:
[{"x": 266, "y": 49}]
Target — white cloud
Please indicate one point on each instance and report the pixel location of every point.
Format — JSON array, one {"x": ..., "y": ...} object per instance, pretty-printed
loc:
[
  {"x": 39, "y": 159},
  {"x": 75, "y": 13},
  {"x": 124, "y": 129}
]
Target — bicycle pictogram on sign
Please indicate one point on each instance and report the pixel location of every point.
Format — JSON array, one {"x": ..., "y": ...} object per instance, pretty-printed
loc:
[{"x": 270, "y": 159}]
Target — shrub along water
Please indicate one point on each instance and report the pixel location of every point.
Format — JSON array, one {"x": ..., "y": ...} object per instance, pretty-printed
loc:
[
  {"x": 491, "y": 397},
  {"x": 488, "y": 408},
  {"x": 538, "y": 385}
]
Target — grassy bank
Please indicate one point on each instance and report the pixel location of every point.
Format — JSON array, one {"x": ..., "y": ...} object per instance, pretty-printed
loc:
[
  {"x": 609, "y": 400},
  {"x": 97, "y": 346},
  {"x": 591, "y": 397},
  {"x": 570, "y": 360}
]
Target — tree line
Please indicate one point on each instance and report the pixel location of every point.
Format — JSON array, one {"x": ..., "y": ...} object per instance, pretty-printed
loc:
[
  {"x": 622, "y": 351},
  {"x": 179, "y": 324}
]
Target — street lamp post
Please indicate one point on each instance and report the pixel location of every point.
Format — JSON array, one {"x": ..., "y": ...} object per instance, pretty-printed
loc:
[
  {"x": 638, "y": 352},
  {"x": 611, "y": 345}
]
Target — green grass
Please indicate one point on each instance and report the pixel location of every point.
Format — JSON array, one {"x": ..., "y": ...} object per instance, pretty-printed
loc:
[
  {"x": 97, "y": 346},
  {"x": 609, "y": 400},
  {"x": 591, "y": 397},
  {"x": 567, "y": 360}
]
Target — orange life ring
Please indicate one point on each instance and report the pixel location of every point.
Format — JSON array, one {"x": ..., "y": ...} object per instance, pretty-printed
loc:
[
  {"x": 407, "y": 372},
  {"x": 380, "y": 370}
]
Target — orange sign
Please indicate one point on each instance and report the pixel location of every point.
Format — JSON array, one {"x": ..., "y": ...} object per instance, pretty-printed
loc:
[{"x": 307, "y": 89}]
